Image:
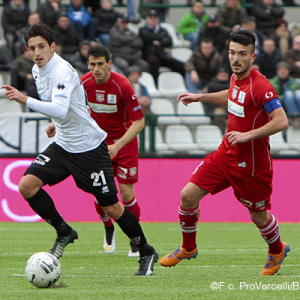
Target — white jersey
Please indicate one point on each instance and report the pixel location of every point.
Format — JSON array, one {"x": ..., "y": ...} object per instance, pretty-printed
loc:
[{"x": 64, "y": 100}]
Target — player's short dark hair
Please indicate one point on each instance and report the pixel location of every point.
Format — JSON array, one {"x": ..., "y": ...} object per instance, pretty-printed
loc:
[
  {"x": 244, "y": 37},
  {"x": 99, "y": 51},
  {"x": 42, "y": 30}
]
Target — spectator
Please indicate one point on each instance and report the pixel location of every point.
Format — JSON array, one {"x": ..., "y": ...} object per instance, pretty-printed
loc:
[
  {"x": 49, "y": 11},
  {"x": 81, "y": 20},
  {"x": 268, "y": 58},
  {"x": 191, "y": 23},
  {"x": 106, "y": 16},
  {"x": 126, "y": 46},
  {"x": 33, "y": 18},
  {"x": 292, "y": 57},
  {"x": 14, "y": 17},
  {"x": 288, "y": 90},
  {"x": 214, "y": 31},
  {"x": 66, "y": 37},
  {"x": 161, "y": 11},
  {"x": 156, "y": 42},
  {"x": 231, "y": 14},
  {"x": 248, "y": 23},
  {"x": 267, "y": 12},
  {"x": 21, "y": 77},
  {"x": 219, "y": 83},
  {"x": 282, "y": 37},
  {"x": 94, "y": 5},
  {"x": 6, "y": 58},
  {"x": 202, "y": 66},
  {"x": 134, "y": 73},
  {"x": 79, "y": 59}
]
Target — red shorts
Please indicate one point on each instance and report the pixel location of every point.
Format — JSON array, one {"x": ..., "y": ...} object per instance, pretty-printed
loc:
[
  {"x": 214, "y": 175},
  {"x": 125, "y": 164}
]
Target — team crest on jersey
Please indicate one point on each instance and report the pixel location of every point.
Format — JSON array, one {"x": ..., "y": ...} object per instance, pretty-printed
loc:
[
  {"x": 241, "y": 97},
  {"x": 99, "y": 97},
  {"x": 132, "y": 171},
  {"x": 234, "y": 93},
  {"x": 111, "y": 99}
]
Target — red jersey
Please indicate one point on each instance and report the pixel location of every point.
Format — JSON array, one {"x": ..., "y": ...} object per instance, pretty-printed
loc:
[
  {"x": 114, "y": 104},
  {"x": 246, "y": 99}
]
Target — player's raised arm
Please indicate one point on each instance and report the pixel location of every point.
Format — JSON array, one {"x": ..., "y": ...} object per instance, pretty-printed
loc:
[
  {"x": 14, "y": 94},
  {"x": 219, "y": 98}
]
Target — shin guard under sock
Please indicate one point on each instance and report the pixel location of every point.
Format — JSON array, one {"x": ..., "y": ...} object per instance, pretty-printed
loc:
[
  {"x": 188, "y": 223},
  {"x": 271, "y": 234},
  {"x": 132, "y": 228},
  {"x": 44, "y": 206}
]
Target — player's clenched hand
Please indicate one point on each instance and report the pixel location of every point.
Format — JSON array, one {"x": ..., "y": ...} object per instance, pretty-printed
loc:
[
  {"x": 235, "y": 137},
  {"x": 51, "y": 131},
  {"x": 14, "y": 94},
  {"x": 187, "y": 98},
  {"x": 113, "y": 150}
]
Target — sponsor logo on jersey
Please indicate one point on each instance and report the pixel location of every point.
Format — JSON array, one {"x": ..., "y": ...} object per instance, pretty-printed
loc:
[
  {"x": 241, "y": 97},
  {"x": 269, "y": 95},
  {"x": 41, "y": 159},
  {"x": 60, "y": 96},
  {"x": 111, "y": 99},
  {"x": 103, "y": 108},
  {"x": 236, "y": 109},
  {"x": 134, "y": 97}
]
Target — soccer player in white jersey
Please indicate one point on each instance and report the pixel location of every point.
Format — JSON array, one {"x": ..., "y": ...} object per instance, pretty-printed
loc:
[{"x": 79, "y": 150}]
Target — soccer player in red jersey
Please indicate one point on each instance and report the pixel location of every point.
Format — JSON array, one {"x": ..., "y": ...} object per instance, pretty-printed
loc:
[
  {"x": 243, "y": 159},
  {"x": 115, "y": 107}
]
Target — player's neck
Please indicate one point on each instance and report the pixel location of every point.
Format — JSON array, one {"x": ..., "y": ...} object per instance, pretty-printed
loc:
[{"x": 243, "y": 75}]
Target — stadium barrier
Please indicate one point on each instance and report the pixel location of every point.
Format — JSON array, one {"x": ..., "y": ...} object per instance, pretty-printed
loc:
[{"x": 158, "y": 192}]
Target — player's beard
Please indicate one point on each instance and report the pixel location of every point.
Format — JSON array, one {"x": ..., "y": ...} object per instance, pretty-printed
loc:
[{"x": 243, "y": 70}]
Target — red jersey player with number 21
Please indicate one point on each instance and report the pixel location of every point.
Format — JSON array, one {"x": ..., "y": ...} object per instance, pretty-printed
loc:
[
  {"x": 115, "y": 107},
  {"x": 243, "y": 159}
]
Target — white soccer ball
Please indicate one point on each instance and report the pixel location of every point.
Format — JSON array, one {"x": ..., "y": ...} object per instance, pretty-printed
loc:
[{"x": 42, "y": 269}]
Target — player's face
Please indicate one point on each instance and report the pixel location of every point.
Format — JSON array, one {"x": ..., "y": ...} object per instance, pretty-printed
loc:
[
  {"x": 241, "y": 59},
  {"x": 40, "y": 50},
  {"x": 99, "y": 68}
]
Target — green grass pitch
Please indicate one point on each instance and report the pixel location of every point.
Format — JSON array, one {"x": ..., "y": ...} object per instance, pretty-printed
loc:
[{"x": 231, "y": 257}]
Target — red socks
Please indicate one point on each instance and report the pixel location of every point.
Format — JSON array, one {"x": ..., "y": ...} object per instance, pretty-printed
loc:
[
  {"x": 133, "y": 206},
  {"x": 270, "y": 233},
  {"x": 188, "y": 223},
  {"x": 103, "y": 216}
]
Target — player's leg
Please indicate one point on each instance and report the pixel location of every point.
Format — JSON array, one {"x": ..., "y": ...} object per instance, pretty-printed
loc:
[
  {"x": 94, "y": 174},
  {"x": 131, "y": 227},
  {"x": 257, "y": 190},
  {"x": 188, "y": 217},
  {"x": 268, "y": 227},
  {"x": 129, "y": 201},
  {"x": 46, "y": 169},
  {"x": 109, "y": 241},
  {"x": 209, "y": 177}
]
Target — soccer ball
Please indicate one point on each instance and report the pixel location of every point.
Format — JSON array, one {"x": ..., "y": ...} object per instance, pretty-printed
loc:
[{"x": 42, "y": 269}]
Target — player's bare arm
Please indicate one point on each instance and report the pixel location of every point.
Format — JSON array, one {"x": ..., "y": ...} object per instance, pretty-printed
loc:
[
  {"x": 14, "y": 94},
  {"x": 51, "y": 130},
  {"x": 219, "y": 98},
  {"x": 278, "y": 122},
  {"x": 130, "y": 134}
]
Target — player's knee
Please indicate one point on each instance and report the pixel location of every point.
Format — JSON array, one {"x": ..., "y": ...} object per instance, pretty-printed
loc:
[
  {"x": 186, "y": 197},
  {"x": 28, "y": 187}
]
